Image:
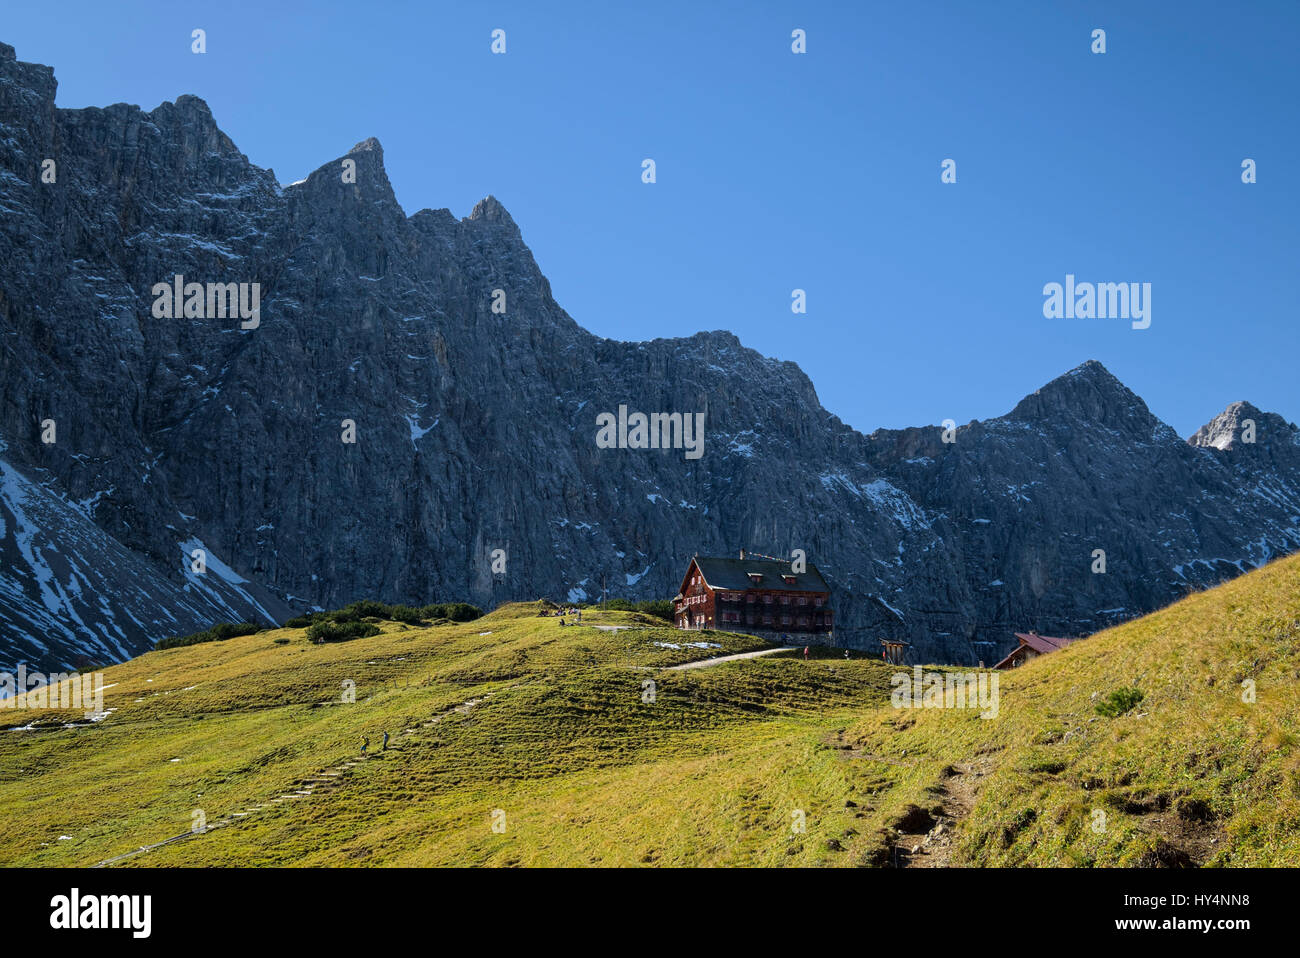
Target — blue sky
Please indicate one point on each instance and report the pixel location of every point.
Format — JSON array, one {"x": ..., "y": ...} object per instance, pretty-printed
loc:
[{"x": 819, "y": 171}]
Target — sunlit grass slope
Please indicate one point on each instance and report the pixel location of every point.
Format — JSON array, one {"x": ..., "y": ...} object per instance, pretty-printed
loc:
[
  {"x": 563, "y": 753},
  {"x": 1203, "y": 771},
  {"x": 561, "y": 740}
]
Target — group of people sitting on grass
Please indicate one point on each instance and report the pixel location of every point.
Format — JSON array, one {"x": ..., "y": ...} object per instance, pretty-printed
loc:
[{"x": 563, "y": 613}]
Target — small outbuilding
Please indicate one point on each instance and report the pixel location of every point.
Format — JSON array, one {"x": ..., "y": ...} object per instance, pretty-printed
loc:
[
  {"x": 892, "y": 651},
  {"x": 1031, "y": 646}
]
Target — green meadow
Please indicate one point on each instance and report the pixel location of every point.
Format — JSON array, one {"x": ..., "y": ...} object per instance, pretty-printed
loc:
[{"x": 518, "y": 742}]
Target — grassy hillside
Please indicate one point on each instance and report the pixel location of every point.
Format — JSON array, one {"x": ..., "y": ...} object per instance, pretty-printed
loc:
[
  {"x": 548, "y": 725},
  {"x": 1194, "y": 775}
]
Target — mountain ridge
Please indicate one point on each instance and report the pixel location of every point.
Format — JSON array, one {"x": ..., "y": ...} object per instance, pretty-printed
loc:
[{"x": 475, "y": 427}]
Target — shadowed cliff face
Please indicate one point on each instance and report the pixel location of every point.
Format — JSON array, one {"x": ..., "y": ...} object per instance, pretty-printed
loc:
[{"x": 476, "y": 427}]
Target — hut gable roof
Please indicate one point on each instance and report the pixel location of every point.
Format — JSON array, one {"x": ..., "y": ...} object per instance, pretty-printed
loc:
[
  {"x": 733, "y": 575},
  {"x": 1042, "y": 643}
]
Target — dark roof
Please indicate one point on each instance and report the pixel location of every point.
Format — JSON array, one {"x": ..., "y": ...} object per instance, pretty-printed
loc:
[
  {"x": 1042, "y": 643},
  {"x": 733, "y": 575}
]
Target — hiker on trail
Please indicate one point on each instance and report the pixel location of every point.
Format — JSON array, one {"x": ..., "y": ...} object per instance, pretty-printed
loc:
[
  {"x": 846, "y": 653},
  {"x": 365, "y": 742},
  {"x": 578, "y": 612},
  {"x": 385, "y": 745},
  {"x": 805, "y": 653}
]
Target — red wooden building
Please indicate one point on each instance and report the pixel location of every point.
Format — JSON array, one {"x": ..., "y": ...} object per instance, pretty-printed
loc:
[
  {"x": 1031, "y": 646},
  {"x": 758, "y": 596}
]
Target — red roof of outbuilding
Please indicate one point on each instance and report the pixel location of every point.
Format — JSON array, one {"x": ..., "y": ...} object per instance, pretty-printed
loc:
[{"x": 1042, "y": 643}]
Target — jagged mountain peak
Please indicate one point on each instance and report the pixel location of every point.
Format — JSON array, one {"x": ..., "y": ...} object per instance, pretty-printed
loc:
[
  {"x": 490, "y": 210},
  {"x": 1088, "y": 392},
  {"x": 29, "y": 83},
  {"x": 189, "y": 109},
  {"x": 1227, "y": 430},
  {"x": 1090, "y": 374},
  {"x": 187, "y": 123},
  {"x": 370, "y": 144},
  {"x": 193, "y": 104},
  {"x": 368, "y": 156},
  {"x": 1092, "y": 367},
  {"x": 361, "y": 170}
]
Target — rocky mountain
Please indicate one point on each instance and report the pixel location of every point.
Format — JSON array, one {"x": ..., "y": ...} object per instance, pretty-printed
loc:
[
  {"x": 181, "y": 425},
  {"x": 73, "y": 596},
  {"x": 1023, "y": 502}
]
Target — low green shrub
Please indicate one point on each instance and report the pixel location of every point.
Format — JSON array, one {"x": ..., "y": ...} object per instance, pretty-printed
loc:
[
  {"x": 1119, "y": 702},
  {"x": 363, "y": 609},
  {"x": 341, "y": 631},
  {"x": 218, "y": 632}
]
